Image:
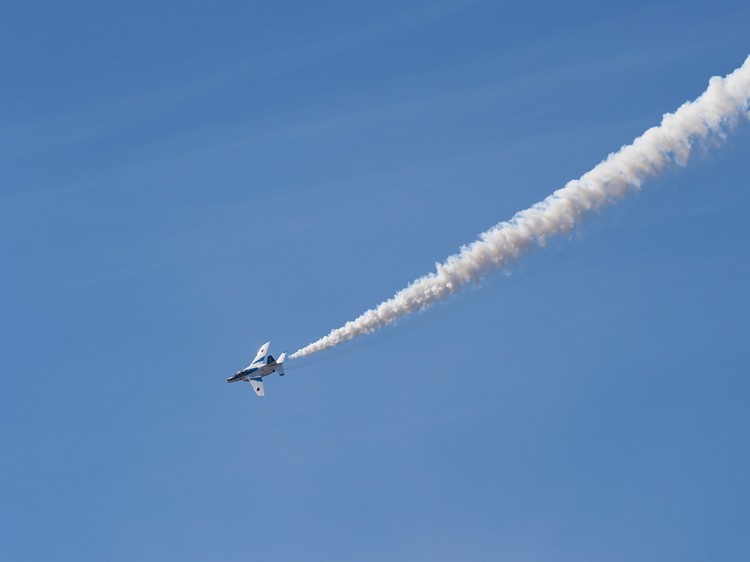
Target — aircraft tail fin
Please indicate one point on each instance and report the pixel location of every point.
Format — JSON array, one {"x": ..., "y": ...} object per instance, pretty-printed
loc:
[{"x": 279, "y": 364}]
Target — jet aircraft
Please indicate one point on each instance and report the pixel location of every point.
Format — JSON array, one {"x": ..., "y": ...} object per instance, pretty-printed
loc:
[{"x": 261, "y": 366}]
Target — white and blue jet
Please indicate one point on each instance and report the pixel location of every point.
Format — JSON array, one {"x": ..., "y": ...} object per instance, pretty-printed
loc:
[{"x": 262, "y": 366}]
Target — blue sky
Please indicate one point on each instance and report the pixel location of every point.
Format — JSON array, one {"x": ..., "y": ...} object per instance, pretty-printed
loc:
[{"x": 182, "y": 181}]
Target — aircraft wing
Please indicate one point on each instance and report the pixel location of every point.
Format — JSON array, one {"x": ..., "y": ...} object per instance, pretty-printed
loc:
[
  {"x": 257, "y": 386},
  {"x": 261, "y": 352}
]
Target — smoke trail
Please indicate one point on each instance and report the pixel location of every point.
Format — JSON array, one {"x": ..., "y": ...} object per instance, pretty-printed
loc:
[{"x": 709, "y": 116}]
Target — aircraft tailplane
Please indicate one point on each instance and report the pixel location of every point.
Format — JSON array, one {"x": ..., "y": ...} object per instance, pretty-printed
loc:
[{"x": 279, "y": 364}]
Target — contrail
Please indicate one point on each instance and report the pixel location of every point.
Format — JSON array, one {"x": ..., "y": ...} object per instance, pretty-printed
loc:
[{"x": 711, "y": 115}]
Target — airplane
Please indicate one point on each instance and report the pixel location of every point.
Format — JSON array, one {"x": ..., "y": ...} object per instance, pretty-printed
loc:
[{"x": 261, "y": 366}]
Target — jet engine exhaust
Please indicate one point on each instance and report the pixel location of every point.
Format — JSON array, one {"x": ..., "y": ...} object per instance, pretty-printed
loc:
[{"x": 710, "y": 116}]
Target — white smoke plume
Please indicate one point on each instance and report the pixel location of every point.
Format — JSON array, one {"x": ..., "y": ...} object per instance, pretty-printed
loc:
[{"x": 709, "y": 116}]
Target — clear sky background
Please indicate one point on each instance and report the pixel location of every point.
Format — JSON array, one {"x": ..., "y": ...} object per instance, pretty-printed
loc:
[{"x": 182, "y": 181}]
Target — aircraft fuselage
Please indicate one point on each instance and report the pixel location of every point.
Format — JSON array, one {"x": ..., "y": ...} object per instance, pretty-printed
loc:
[{"x": 254, "y": 370}]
